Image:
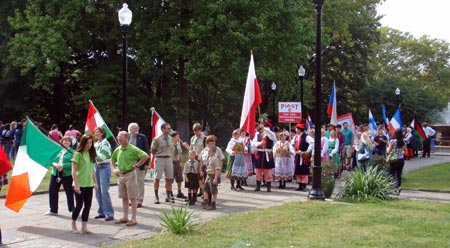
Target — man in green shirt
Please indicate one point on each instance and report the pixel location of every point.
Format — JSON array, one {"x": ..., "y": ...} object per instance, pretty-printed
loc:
[{"x": 123, "y": 164}]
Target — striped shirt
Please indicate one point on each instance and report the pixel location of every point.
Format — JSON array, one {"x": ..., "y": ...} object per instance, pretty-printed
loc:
[{"x": 103, "y": 149}]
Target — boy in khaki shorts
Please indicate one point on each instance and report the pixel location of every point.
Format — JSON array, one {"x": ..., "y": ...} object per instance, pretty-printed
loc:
[{"x": 213, "y": 170}]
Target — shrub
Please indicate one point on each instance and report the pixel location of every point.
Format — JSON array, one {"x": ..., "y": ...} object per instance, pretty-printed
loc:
[
  {"x": 372, "y": 185},
  {"x": 177, "y": 220}
]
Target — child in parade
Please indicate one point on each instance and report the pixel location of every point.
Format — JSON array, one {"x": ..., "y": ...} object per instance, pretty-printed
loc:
[
  {"x": 282, "y": 152},
  {"x": 236, "y": 148},
  {"x": 191, "y": 177},
  {"x": 213, "y": 171}
]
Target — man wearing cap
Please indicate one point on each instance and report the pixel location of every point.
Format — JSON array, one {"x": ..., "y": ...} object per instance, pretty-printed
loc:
[
  {"x": 302, "y": 160},
  {"x": 264, "y": 163}
]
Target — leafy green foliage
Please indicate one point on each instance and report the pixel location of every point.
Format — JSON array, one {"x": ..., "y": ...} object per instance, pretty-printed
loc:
[
  {"x": 372, "y": 185},
  {"x": 178, "y": 220}
]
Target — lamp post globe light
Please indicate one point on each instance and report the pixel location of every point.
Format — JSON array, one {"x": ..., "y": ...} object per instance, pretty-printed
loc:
[
  {"x": 274, "y": 89},
  {"x": 301, "y": 76},
  {"x": 397, "y": 95},
  {"x": 316, "y": 192},
  {"x": 125, "y": 17}
]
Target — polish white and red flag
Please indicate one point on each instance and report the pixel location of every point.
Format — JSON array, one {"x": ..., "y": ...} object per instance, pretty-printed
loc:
[
  {"x": 252, "y": 98},
  {"x": 156, "y": 122}
]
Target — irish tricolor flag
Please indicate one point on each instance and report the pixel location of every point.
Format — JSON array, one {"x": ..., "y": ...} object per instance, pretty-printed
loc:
[
  {"x": 36, "y": 154},
  {"x": 94, "y": 119},
  {"x": 252, "y": 98}
]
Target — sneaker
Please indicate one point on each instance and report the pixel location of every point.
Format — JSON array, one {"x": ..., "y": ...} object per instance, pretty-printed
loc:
[
  {"x": 109, "y": 218},
  {"x": 50, "y": 213},
  {"x": 99, "y": 217}
]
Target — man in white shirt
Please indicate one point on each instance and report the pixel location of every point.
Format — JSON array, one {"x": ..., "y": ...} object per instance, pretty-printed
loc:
[{"x": 429, "y": 132}]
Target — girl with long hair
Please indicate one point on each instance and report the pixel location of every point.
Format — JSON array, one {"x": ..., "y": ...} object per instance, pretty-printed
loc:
[
  {"x": 396, "y": 168},
  {"x": 84, "y": 181}
]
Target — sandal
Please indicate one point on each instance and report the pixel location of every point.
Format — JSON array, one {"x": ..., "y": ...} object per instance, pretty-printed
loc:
[
  {"x": 121, "y": 221},
  {"x": 131, "y": 223}
]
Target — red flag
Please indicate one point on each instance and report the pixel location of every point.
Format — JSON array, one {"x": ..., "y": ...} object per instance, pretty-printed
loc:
[
  {"x": 5, "y": 165},
  {"x": 415, "y": 125},
  {"x": 252, "y": 98},
  {"x": 94, "y": 119},
  {"x": 156, "y": 123}
]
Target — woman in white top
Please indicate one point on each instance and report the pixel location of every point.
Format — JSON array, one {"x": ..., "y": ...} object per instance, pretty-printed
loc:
[{"x": 282, "y": 152}]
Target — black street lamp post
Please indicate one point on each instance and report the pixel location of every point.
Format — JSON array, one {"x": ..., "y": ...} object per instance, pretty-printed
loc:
[
  {"x": 301, "y": 76},
  {"x": 125, "y": 17},
  {"x": 397, "y": 96},
  {"x": 274, "y": 89},
  {"x": 316, "y": 192}
]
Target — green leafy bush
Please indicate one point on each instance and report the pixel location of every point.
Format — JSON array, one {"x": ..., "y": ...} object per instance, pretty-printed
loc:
[
  {"x": 372, "y": 185},
  {"x": 177, "y": 220}
]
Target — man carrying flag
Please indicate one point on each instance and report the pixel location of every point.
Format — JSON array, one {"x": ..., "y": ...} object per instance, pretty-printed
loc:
[
  {"x": 332, "y": 106},
  {"x": 252, "y": 98}
]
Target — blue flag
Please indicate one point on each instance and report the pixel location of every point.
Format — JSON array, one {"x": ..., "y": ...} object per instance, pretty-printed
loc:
[
  {"x": 372, "y": 123},
  {"x": 385, "y": 119}
]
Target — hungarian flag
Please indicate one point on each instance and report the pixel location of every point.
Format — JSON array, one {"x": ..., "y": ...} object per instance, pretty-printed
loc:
[
  {"x": 417, "y": 128},
  {"x": 36, "y": 154},
  {"x": 396, "y": 122},
  {"x": 252, "y": 98},
  {"x": 94, "y": 119},
  {"x": 156, "y": 122},
  {"x": 5, "y": 165},
  {"x": 332, "y": 108}
]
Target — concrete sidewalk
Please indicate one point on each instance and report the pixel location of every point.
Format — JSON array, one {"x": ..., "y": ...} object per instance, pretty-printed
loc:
[{"x": 31, "y": 228}]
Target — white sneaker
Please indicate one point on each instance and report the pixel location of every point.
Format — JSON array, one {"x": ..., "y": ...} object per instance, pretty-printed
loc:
[{"x": 50, "y": 213}]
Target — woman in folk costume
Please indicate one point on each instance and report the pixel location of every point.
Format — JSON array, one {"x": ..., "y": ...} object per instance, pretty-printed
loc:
[
  {"x": 264, "y": 163},
  {"x": 247, "y": 155},
  {"x": 303, "y": 146},
  {"x": 333, "y": 151},
  {"x": 282, "y": 151},
  {"x": 235, "y": 149}
]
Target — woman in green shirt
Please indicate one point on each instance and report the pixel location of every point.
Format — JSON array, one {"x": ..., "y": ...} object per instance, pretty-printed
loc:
[
  {"x": 83, "y": 180},
  {"x": 61, "y": 174}
]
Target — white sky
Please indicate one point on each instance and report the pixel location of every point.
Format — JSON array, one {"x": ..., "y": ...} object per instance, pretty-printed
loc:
[{"x": 418, "y": 17}]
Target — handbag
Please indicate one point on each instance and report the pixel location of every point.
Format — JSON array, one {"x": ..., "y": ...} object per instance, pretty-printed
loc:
[
  {"x": 364, "y": 156},
  {"x": 392, "y": 156}
]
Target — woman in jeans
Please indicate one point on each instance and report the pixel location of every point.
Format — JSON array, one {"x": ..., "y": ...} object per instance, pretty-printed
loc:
[
  {"x": 103, "y": 175},
  {"x": 395, "y": 169},
  {"x": 83, "y": 180}
]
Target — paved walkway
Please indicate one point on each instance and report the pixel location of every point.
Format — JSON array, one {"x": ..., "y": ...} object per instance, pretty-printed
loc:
[{"x": 30, "y": 228}]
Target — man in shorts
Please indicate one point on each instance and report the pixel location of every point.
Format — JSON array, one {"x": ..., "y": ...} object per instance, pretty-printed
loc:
[
  {"x": 162, "y": 149},
  {"x": 123, "y": 164}
]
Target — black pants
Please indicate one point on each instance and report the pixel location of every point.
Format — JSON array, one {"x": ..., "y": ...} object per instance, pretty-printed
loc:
[
  {"x": 85, "y": 198},
  {"x": 53, "y": 192},
  {"x": 395, "y": 169},
  {"x": 426, "y": 147}
]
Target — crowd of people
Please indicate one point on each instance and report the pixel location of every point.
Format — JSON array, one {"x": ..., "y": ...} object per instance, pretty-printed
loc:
[{"x": 274, "y": 155}]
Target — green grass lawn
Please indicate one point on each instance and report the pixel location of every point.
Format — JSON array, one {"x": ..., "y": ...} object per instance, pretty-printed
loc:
[
  {"x": 436, "y": 177},
  {"x": 398, "y": 223}
]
